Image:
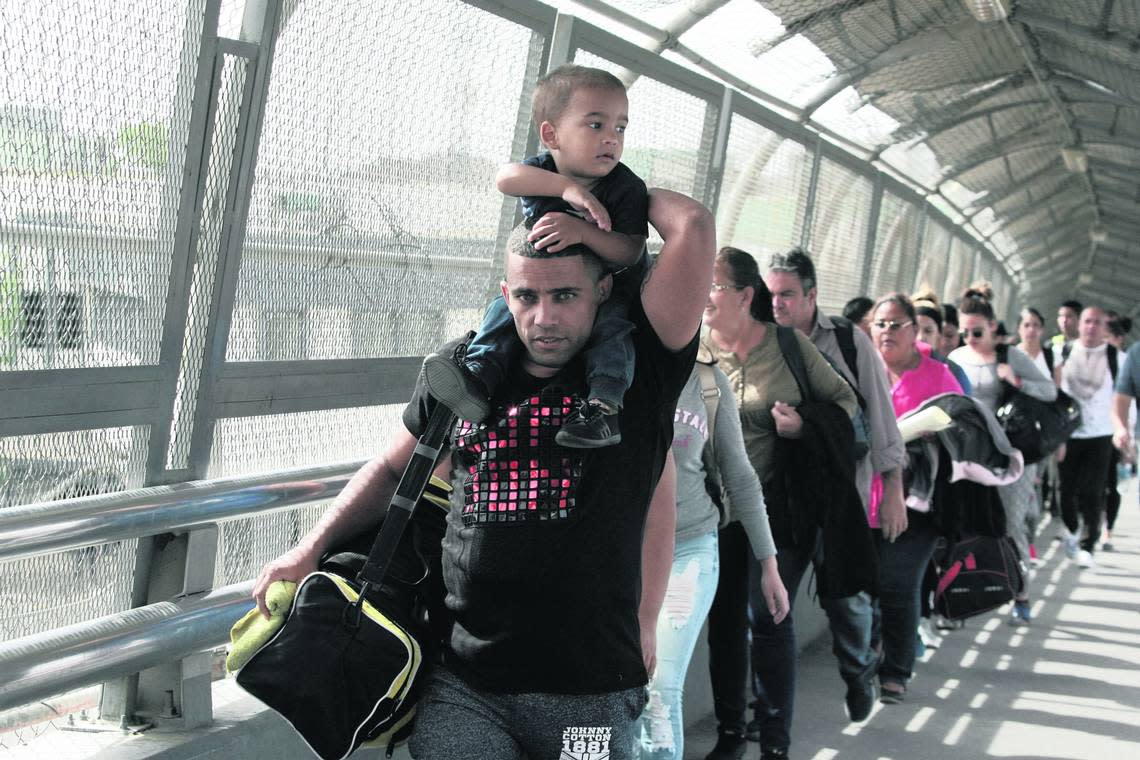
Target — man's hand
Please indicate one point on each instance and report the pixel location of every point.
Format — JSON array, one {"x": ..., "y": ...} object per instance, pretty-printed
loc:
[
  {"x": 583, "y": 200},
  {"x": 789, "y": 424},
  {"x": 892, "y": 510},
  {"x": 1123, "y": 442},
  {"x": 1059, "y": 456},
  {"x": 293, "y": 565},
  {"x": 775, "y": 595},
  {"x": 555, "y": 231}
]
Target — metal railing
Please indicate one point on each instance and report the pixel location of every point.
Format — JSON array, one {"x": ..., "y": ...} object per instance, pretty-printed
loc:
[{"x": 42, "y": 665}]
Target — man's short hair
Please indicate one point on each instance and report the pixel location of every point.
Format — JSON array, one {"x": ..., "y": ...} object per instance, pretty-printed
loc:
[
  {"x": 1076, "y": 306},
  {"x": 798, "y": 263},
  {"x": 518, "y": 245},
  {"x": 553, "y": 92}
]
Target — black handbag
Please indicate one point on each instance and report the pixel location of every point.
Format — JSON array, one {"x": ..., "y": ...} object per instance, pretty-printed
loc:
[
  {"x": 1037, "y": 428},
  {"x": 978, "y": 574},
  {"x": 346, "y": 666}
]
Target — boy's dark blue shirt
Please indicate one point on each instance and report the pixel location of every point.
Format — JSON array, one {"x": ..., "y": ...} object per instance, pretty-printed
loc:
[{"x": 621, "y": 191}]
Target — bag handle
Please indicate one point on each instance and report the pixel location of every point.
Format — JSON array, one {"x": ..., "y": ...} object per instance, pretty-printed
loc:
[{"x": 408, "y": 492}]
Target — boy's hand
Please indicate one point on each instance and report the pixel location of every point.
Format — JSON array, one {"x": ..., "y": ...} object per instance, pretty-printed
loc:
[
  {"x": 583, "y": 200},
  {"x": 555, "y": 231}
]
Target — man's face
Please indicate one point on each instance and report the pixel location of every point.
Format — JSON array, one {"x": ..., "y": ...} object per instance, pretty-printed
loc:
[
  {"x": 1091, "y": 327},
  {"x": 553, "y": 301},
  {"x": 790, "y": 304},
  {"x": 588, "y": 136},
  {"x": 1067, "y": 322}
]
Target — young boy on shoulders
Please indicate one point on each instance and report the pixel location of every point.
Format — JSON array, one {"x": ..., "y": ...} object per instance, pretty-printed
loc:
[{"x": 577, "y": 192}]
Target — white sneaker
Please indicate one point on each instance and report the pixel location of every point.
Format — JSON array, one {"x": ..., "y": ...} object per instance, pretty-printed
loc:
[
  {"x": 1084, "y": 559},
  {"x": 928, "y": 634},
  {"x": 1071, "y": 547}
]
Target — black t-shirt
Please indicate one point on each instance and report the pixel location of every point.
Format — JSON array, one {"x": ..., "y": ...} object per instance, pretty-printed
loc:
[
  {"x": 542, "y": 556},
  {"x": 621, "y": 191}
]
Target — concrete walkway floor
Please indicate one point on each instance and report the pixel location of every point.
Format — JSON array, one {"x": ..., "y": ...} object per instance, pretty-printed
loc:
[{"x": 1066, "y": 687}]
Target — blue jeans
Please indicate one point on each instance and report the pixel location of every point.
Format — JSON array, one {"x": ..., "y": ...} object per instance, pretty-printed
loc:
[
  {"x": 774, "y": 646},
  {"x": 902, "y": 565},
  {"x": 659, "y": 732}
]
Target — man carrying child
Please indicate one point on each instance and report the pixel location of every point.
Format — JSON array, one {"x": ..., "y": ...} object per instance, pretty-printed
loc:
[{"x": 545, "y": 650}]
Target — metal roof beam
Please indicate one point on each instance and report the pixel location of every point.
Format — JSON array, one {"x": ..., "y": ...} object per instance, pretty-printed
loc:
[
  {"x": 917, "y": 44},
  {"x": 802, "y": 24},
  {"x": 1091, "y": 88},
  {"x": 1041, "y": 205},
  {"x": 1012, "y": 189},
  {"x": 1037, "y": 20},
  {"x": 993, "y": 151},
  {"x": 915, "y": 129}
]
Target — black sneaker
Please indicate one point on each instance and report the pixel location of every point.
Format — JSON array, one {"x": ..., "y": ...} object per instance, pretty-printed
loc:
[
  {"x": 752, "y": 730},
  {"x": 453, "y": 385},
  {"x": 860, "y": 699},
  {"x": 589, "y": 427},
  {"x": 774, "y": 754},
  {"x": 729, "y": 746}
]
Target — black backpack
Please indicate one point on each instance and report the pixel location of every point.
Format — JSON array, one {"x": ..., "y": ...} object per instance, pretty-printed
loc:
[
  {"x": 978, "y": 574},
  {"x": 1037, "y": 428}
]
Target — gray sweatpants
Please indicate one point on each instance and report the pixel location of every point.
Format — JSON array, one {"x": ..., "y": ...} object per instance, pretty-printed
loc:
[{"x": 456, "y": 722}]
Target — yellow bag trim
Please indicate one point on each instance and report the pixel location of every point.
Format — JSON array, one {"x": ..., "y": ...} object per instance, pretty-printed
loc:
[{"x": 402, "y": 681}]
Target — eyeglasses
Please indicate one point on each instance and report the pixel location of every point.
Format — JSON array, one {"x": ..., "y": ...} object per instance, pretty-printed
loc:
[
  {"x": 718, "y": 287},
  {"x": 977, "y": 332},
  {"x": 888, "y": 325}
]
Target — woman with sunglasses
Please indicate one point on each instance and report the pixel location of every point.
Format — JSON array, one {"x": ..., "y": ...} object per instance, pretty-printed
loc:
[
  {"x": 989, "y": 378},
  {"x": 741, "y": 335},
  {"x": 914, "y": 377}
]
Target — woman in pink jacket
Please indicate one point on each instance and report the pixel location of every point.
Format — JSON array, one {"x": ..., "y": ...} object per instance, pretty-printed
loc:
[{"x": 914, "y": 378}]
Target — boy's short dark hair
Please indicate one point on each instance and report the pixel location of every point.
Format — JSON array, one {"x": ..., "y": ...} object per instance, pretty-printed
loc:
[
  {"x": 553, "y": 92},
  {"x": 798, "y": 262}
]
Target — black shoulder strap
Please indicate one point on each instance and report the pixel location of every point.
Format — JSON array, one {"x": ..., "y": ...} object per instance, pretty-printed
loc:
[
  {"x": 1065, "y": 351},
  {"x": 845, "y": 335},
  {"x": 1048, "y": 351},
  {"x": 1112, "y": 360},
  {"x": 1002, "y": 351},
  {"x": 794, "y": 358}
]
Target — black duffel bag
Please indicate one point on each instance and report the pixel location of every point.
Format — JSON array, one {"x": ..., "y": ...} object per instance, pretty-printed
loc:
[
  {"x": 978, "y": 574},
  {"x": 1035, "y": 427},
  {"x": 346, "y": 665}
]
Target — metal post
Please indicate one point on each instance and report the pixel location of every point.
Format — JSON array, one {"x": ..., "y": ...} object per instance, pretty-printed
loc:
[
  {"x": 561, "y": 41},
  {"x": 715, "y": 177},
  {"x": 872, "y": 233},
  {"x": 919, "y": 242},
  {"x": 233, "y": 233},
  {"x": 813, "y": 184},
  {"x": 189, "y": 210}
]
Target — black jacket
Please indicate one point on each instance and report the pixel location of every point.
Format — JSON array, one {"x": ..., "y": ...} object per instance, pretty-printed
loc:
[{"x": 812, "y": 490}]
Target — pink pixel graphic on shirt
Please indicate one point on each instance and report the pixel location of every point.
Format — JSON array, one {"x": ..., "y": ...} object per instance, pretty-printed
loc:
[{"x": 517, "y": 472}]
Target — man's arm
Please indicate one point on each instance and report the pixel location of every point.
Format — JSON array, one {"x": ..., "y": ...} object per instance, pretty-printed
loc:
[
  {"x": 676, "y": 288},
  {"x": 657, "y": 558},
  {"x": 358, "y": 507},
  {"x": 1121, "y": 435}
]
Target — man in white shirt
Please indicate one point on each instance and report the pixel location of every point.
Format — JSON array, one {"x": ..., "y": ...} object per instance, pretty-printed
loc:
[{"x": 1086, "y": 373}]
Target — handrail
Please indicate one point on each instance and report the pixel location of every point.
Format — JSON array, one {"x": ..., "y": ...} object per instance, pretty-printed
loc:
[
  {"x": 73, "y": 523},
  {"x": 45, "y": 664}
]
